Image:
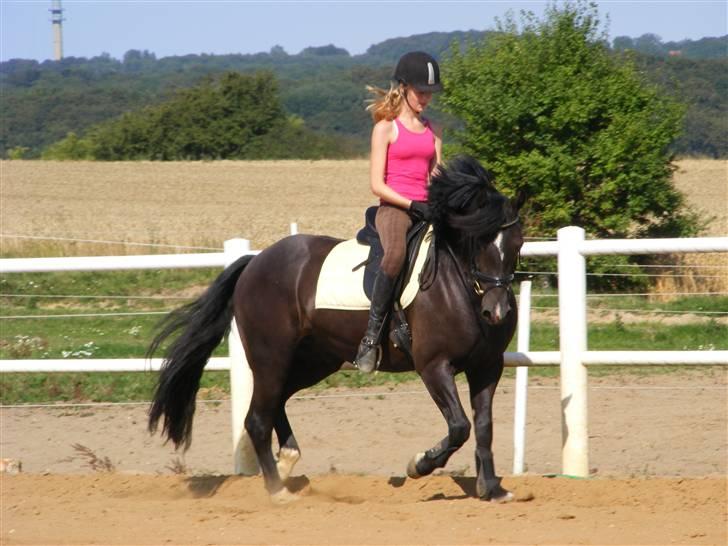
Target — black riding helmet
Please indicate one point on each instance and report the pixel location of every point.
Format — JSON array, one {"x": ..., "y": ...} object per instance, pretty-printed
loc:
[{"x": 419, "y": 70}]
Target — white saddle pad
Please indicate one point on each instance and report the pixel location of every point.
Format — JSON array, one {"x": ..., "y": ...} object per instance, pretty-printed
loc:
[{"x": 339, "y": 287}]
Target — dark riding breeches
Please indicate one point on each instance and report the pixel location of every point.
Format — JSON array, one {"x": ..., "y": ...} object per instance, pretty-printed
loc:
[{"x": 392, "y": 225}]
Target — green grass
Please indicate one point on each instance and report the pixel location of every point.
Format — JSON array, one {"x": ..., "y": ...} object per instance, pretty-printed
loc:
[
  {"x": 692, "y": 304},
  {"x": 129, "y": 336},
  {"x": 639, "y": 336}
]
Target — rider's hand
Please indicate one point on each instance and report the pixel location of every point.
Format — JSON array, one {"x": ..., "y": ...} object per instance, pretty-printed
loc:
[{"x": 420, "y": 210}]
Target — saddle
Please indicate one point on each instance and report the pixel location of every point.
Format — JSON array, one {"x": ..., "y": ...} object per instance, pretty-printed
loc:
[{"x": 399, "y": 330}]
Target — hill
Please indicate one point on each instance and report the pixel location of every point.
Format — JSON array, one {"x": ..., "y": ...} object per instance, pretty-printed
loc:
[{"x": 324, "y": 86}]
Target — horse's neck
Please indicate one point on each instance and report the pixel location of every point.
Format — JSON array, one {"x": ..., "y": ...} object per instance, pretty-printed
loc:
[{"x": 453, "y": 266}]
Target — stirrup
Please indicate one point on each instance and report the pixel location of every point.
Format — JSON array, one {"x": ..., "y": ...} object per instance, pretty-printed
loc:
[{"x": 377, "y": 361}]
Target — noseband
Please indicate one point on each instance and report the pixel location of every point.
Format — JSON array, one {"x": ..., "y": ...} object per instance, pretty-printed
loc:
[{"x": 493, "y": 282}]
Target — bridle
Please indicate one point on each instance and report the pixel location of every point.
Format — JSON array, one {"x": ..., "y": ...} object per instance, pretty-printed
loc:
[
  {"x": 495, "y": 282},
  {"x": 492, "y": 282}
]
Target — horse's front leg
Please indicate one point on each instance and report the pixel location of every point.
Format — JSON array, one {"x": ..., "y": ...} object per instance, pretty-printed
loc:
[
  {"x": 483, "y": 381},
  {"x": 440, "y": 383}
]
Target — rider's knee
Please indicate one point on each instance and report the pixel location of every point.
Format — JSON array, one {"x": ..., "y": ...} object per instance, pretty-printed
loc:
[{"x": 392, "y": 263}]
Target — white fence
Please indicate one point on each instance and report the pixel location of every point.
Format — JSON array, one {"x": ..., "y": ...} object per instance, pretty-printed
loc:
[{"x": 573, "y": 357}]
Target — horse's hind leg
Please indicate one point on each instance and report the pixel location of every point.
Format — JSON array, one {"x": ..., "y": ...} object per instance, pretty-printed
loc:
[
  {"x": 264, "y": 410},
  {"x": 482, "y": 382},
  {"x": 289, "y": 452},
  {"x": 440, "y": 383}
]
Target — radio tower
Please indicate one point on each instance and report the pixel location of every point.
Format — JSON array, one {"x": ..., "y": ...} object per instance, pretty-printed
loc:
[{"x": 57, "y": 20}]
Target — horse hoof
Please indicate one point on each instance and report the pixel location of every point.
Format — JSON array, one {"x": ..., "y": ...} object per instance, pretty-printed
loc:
[
  {"x": 284, "y": 496},
  {"x": 412, "y": 466},
  {"x": 502, "y": 499},
  {"x": 287, "y": 458}
]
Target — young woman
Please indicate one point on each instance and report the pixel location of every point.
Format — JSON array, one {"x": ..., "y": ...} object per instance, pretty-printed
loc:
[{"x": 405, "y": 151}]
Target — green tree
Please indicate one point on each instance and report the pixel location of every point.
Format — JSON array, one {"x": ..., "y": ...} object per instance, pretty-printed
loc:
[
  {"x": 18, "y": 152},
  {"x": 70, "y": 147},
  {"x": 551, "y": 110},
  {"x": 235, "y": 116}
]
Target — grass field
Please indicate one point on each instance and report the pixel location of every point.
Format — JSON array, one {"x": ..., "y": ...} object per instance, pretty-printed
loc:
[
  {"x": 204, "y": 203},
  {"x": 36, "y": 334},
  {"x": 88, "y": 207},
  {"x": 188, "y": 204}
]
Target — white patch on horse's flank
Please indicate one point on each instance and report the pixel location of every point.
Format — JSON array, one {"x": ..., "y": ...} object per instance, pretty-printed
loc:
[
  {"x": 287, "y": 458},
  {"x": 499, "y": 245}
]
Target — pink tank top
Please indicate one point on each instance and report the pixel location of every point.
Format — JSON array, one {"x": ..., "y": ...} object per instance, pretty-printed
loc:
[{"x": 408, "y": 162}]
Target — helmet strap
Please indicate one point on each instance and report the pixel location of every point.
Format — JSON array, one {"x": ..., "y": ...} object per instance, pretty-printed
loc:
[{"x": 406, "y": 99}]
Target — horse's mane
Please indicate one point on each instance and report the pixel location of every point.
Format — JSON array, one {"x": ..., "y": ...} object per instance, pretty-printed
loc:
[{"x": 466, "y": 206}]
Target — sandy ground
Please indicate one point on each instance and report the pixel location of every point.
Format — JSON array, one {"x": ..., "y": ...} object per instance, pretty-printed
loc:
[
  {"x": 657, "y": 444},
  {"x": 346, "y": 509},
  {"x": 658, "y": 451}
]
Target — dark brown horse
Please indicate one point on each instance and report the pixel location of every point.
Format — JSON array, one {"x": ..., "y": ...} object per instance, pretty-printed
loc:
[{"x": 461, "y": 322}]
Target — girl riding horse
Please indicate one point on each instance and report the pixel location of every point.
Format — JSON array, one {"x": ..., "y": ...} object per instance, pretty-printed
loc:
[{"x": 405, "y": 151}]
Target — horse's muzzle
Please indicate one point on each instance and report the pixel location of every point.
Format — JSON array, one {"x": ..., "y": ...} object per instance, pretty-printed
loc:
[{"x": 495, "y": 308}]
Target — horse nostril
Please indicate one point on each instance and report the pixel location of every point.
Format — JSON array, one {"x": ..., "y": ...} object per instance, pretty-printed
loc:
[{"x": 486, "y": 314}]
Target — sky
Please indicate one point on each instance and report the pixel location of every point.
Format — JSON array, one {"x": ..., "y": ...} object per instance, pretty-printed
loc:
[{"x": 181, "y": 27}]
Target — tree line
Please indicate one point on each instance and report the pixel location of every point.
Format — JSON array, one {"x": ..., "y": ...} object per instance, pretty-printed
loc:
[
  {"x": 587, "y": 136},
  {"x": 323, "y": 86},
  {"x": 234, "y": 116}
]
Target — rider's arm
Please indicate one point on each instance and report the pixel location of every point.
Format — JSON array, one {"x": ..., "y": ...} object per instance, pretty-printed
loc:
[
  {"x": 437, "y": 159},
  {"x": 381, "y": 137}
]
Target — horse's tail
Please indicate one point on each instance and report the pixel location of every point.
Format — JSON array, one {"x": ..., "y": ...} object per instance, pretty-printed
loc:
[{"x": 203, "y": 323}]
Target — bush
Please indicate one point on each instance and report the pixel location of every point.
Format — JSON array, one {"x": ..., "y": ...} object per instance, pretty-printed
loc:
[
  {"x": 70, "y": 147},
  {"x": 235, "y": 116}
]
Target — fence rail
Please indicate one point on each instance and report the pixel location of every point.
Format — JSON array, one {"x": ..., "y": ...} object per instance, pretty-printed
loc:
[{"x": 573, "y": 357}]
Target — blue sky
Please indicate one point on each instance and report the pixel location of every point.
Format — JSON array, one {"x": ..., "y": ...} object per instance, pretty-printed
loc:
[{"x": 181, "y": 27}]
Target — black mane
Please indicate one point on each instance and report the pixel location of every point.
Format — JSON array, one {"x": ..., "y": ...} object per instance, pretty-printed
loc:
[{"x": 466, "y": 206}]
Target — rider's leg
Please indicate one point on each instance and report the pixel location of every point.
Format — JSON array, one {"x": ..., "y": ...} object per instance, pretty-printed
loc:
[
  {"x": 367, "y": 355},
  {"x": 392, "y": 224}
]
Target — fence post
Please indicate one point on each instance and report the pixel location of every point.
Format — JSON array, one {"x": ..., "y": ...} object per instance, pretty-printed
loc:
[
  {"x": 521, "y": 403},
  {"x": 241, "y": 382},
  {"x": 294, "y": 228},
  {"x": 573, "y": 340}
]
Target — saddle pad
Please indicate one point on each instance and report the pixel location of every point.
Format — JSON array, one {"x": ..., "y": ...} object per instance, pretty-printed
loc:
[{"x": 339, "y": 287}]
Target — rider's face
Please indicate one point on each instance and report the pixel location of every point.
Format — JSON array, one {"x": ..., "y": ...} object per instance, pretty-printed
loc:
[{"x": 418, "y": 100}]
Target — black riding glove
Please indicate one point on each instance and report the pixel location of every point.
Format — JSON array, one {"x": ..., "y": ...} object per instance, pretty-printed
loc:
[{"x": 420, "y": 210}]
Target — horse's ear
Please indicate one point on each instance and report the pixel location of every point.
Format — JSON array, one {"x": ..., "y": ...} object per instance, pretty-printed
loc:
[{"x": 520, "y": 199}]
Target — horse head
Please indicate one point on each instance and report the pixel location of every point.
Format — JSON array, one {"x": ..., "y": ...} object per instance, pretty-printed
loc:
[{"x": 481, "y": 228}]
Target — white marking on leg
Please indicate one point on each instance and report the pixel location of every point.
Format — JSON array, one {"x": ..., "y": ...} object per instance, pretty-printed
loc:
[
  {"x": 284, "y": 496},
  {"x": 412, "y": 466},
  {"x": 508, "y": 497},
  {"x": 287, "y": 458}
]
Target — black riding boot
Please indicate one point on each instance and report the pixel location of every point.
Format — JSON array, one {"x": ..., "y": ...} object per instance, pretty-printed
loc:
[{"x": 366, "y": 358}]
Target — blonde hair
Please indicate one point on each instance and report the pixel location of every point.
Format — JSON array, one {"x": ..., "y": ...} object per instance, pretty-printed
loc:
[{"x": 385, "y": 104}]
